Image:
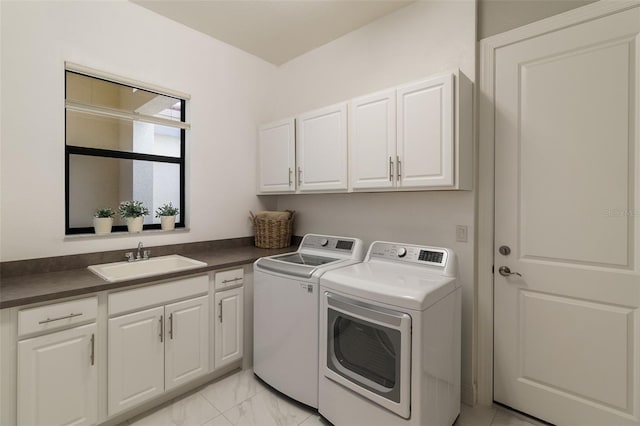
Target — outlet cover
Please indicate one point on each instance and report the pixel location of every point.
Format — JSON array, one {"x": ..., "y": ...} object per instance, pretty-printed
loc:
[{"x": 461, "y": 233}]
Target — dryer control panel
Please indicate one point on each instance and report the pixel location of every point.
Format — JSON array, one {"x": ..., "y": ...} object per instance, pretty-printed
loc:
[{"x": 434, "y": 257}]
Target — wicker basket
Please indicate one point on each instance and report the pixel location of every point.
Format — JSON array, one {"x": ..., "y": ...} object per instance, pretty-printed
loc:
[{"x": 272, "y": 233}]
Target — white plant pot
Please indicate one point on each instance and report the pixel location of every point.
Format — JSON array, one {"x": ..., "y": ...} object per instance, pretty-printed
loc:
[
  {"x": 102, "y": 225},
  {"x": 168, "y": 223},
  {"x": 134, "y": 224}
]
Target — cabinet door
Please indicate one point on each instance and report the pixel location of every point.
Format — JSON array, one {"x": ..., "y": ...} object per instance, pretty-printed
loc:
[
  {"x": 276, "y": 157},
  {"x": 372, "y": 141},
  {"x": 187, "y": 341},
  {"x": 136, "y": 358},
  {"x": 322, "y": 149},
  {"x": 57, "y": 378},
  {"x": 229, "y": 326},
  {"x": 425, "y": 133}
]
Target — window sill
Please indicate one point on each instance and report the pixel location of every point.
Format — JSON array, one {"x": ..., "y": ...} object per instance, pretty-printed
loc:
[{"x": 112, "y": 235}]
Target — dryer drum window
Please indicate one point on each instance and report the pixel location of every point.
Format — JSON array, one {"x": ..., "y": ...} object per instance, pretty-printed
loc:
[
  {"x": 365, "y": 353},
  {"x": 365, "y": 350}
]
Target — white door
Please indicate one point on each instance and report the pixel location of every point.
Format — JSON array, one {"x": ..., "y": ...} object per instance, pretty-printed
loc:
[
  {"x": 425, "y": 133},
  {"x": 322, "y": 149},
  {"x": 276, "y": 157},
  {"x": 187, "y": 341},
  {"x": 372, "y": 141},
  {"x": 229, "y": 326},
  {"x": 136, "y": 358},
  {"x": 57, "y": 378},
  {"x": 567, "y": 331}
]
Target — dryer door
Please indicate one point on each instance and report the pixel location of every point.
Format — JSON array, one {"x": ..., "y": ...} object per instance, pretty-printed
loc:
[{"x": 369, "y": 351}]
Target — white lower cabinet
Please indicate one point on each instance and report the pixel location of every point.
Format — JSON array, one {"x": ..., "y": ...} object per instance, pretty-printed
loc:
[
  {"x": 187, "y": 343},
  {"x": 155, "y": 350},
  {"x": 136, "y": 358},
  {"x": 58, "y": 379},
  {"x": 159, "y": 338},
  {"x": 228, "y": 326}
]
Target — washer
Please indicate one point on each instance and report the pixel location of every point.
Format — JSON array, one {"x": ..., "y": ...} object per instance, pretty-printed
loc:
[
  {"x": 390, "y": 339},
  {"x": 285, "y": 312}
]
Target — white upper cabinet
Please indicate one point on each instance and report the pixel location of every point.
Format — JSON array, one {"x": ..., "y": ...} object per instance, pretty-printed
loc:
[
  {"x": 276, "y": 157},
  {"x": 322, "y": 149},
  {"x": 434, "y": 133},
  {"x": 372, "y": 141},
  {"x": 412, "y": 137},
  {"x": 425, "y": 133}
]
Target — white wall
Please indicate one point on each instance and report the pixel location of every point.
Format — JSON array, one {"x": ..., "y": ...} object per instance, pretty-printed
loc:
[
  {"x": 226, "y": 84},
  {"x": 497, "y": 16},
  {"x": 422, "y": 39}
]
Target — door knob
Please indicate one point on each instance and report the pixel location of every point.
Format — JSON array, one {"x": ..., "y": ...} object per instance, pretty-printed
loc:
[{"x": 506, "y": 272}]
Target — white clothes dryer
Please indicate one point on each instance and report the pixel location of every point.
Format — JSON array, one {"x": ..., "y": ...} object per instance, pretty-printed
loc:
[
  {"x": 390, "y": 330},
  {"x": 285, "y": 312}
]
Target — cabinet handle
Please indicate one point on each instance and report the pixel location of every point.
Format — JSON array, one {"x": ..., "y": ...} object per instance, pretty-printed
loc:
[
  {"x": 231, "y": 280},
  {"x": 299, "y": 176},
  {"x": 399, "y": 166},
  {"x": 93, "y": 349},
  {"x": 161, "y": 329},
  {"x": 390, "y": 170},
  {"x": 220, "y": 315},
  {"x": 171, "y": 326},
  {"x": 290, "y": 181},
  {"x": 59, "y": 318}
]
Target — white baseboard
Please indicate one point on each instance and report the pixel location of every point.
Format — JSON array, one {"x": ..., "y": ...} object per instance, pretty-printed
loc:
[{"x": 467, "y": 394}]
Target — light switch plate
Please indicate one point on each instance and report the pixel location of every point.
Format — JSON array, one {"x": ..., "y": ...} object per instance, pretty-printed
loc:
[{"x": 461, "y": 233}]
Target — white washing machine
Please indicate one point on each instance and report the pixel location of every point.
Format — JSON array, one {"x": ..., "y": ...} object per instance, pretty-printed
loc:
[
  {"x": 390, "y": 339},
  {"x": 285, "y": 312}
]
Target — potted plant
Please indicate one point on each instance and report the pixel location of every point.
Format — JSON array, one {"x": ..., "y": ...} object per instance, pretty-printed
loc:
[
  {"x": 133, "y": 212},
  {"x": 103, "y": 220},
  {"x": 167, "y": 214}
]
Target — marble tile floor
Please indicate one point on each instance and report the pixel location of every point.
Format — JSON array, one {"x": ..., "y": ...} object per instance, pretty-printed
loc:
[{"x": 240, "y": 399}]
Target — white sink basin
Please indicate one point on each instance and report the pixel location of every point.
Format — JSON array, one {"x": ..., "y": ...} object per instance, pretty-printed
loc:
[{"x": 120, "y": 271}]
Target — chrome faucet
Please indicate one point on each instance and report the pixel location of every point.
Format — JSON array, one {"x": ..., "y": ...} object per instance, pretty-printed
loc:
[{"x": 141, "y": 254}]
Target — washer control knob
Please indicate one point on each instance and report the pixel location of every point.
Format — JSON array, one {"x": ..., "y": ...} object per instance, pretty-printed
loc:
[
  {"x": 402, "y": 252},
  {"x": 324, "y": 242}
]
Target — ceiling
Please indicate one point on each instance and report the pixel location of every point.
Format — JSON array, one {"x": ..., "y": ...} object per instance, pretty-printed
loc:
[{"x": 274, "y": 30}]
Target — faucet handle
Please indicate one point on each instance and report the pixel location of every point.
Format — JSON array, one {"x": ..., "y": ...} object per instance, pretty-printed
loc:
[
  {"x": 129, "y": 256},
  {"x": 146, "y": 254}
]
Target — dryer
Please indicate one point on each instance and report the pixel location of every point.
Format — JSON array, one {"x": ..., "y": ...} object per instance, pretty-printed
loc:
[
  {"x": 390, "y": 333},
  {"x": 285, "y": 312}
]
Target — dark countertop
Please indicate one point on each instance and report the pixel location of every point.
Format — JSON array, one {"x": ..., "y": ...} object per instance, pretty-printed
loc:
[{"x": 32, "y": 288}]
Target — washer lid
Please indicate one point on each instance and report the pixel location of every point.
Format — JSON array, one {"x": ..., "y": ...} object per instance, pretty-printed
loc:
[
  {"x": 317, "y": 253},
  {"x": 401, "y": 285},
  {"x": 304, "y": 259},
  {"x": 297, "y": 264}
]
